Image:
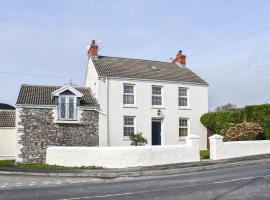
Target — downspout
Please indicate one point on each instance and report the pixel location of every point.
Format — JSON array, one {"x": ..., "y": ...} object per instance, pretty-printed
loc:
[{"x": 108, "y": 108}]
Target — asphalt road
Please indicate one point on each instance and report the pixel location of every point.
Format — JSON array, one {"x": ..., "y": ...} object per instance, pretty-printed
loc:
[{"x": 244, "y": 182}]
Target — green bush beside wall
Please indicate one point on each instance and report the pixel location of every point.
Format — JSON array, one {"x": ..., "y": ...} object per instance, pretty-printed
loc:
[{"x": 216, "y": 121}]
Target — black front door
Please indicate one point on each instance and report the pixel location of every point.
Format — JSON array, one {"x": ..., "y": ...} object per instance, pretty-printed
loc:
[{"x": 156, "y": 130}]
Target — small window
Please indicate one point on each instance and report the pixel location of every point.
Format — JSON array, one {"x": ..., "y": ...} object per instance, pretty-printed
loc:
[
  {"x": 183, "y": 127},
  {"x": 67, "y": 107},
  {"x": 182, "y": 97},
  {"x": 129, "y": 125},
  {"x": 156, "y": 96},
  {"x": 128, "y": 96}
]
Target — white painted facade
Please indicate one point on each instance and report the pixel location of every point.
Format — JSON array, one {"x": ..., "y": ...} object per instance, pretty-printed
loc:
[
  {"x": 109, "y": 93},
  {"x": 7, "y": 143},
  {"x": 121, "y": 157},
  {"x": 224, "y": 150}
]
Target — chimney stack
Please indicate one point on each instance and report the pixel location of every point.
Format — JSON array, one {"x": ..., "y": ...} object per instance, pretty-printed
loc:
[
  {"x": 93, "y": 50},
  {"x": 180, "y": 59}
]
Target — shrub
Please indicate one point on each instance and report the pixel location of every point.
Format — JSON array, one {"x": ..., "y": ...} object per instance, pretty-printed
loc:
[
  {"x": 243, "y": 131},
  {"x": 217, "y": 121},
  {"x": 205, "y": 154},
  {"x": 137, "y": 139}
]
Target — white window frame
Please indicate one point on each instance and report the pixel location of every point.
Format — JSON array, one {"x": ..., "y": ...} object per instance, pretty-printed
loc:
[
  {"x": 66, "y": 118},
  {"x": 134, "y": 125},
  {"x": 187, "y": 97},
  {"x": 188, "y": 127},
  {"x": 161, "y": 95},
  {"x": 129, "y": 94}
]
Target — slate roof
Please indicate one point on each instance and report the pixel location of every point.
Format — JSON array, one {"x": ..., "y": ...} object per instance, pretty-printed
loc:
[
  {"x": 41, "y": 95},
  {"x": 7, "y": 118},
  {"x": 115, "y": 67}
]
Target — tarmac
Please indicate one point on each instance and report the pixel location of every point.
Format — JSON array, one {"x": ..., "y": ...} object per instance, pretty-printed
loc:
[{"x": 158, "y": 170}]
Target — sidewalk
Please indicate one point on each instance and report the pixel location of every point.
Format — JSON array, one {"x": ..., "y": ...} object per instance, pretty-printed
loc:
[{"x": 159, "y": 170}]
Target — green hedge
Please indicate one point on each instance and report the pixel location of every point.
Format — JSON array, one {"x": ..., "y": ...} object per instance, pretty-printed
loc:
[{"x": 216, "y": 121}]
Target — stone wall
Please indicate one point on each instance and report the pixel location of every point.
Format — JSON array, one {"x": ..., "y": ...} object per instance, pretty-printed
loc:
[{"x": 38, "y": 131}]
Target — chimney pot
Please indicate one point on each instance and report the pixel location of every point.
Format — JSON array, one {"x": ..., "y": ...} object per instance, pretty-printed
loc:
[
  {"x": 180, "y": 59},
  {"x": 93, "y": 50}
]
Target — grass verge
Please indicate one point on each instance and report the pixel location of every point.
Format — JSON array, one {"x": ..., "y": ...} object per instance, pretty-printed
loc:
[
  {"x": 205, "y": 154},
  {"x": 11, "y": 164}
]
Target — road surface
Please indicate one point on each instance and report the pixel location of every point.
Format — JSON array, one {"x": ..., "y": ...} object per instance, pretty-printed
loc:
[{"x": 244, "y": 182}]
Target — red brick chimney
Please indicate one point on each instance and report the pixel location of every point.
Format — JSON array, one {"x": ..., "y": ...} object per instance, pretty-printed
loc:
[
  {"x": 93, "y": 50},
  {"x": 180, "y": 59}
]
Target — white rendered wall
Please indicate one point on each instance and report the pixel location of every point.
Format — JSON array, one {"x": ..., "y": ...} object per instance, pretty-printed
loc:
[
  {"x": 224, "y": 150},
  {"x": 109, "y": 93},
  {"x": 91, "y": 78},
  {"x": 121, "y": 157},
  {"x": 144, "y": 111},
  {"x": 7, "y": 143}
]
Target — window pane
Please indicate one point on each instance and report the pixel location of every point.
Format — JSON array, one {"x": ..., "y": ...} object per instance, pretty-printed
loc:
[
  {"x": 129, "y": 121},
  {"x": 128, "y": 131},
  {"x": 63, "y": 99},
  {"x": 183, "y": 132},
  {"x": 156, "y": 90},
  {"x": 128, "y": 89},
  {"x": 183, "y": 122},
  {"x": 156, "y": 100},
  {"x": 71, "y": 100},
  {"x": 62, "y": 110},
  {"x": 71, "y": 111},
  {"x": 182, "y": 101},
  {"x": 128, "y": 99},
  {"x": 182, "y": 92}
]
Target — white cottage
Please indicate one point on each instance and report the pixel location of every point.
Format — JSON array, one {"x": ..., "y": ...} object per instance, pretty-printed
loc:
[{"x": 163, "y": 100}]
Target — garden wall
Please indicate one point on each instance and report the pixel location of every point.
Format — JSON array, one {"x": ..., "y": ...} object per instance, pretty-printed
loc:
[
  {"x": 223, "y": 150},
  {"x": 120, "y": 157},
  {"x": 7, "y": 143}
]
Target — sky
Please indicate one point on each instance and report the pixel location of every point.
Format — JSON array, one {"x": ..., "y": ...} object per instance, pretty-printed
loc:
[{"x": 226, "y": 42}]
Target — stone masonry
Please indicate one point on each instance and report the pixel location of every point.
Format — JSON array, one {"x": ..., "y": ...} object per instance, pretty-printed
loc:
[{"x": 39, "y": 131}]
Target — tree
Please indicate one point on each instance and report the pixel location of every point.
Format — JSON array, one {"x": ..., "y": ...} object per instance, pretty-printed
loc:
[
  {"x": 227, "y": 106},
  {"x": 137, "y": 139},
  {"x": 4, "y": 106}
]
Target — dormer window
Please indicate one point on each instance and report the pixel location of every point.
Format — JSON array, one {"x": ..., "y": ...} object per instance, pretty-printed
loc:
[
  {"x": 67, "y": 99},
  {"x": 67, "y": 107}
]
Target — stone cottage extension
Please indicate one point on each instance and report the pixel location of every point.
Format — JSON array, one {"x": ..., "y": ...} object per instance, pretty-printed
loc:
[{"x": 54, "y": 116}]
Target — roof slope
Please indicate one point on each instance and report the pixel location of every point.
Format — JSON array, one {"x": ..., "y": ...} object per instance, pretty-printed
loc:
[
  {"x": 7, "y": 118},
  {"x": 116, "y": 67},
  {"x": 41, "y": 95}
]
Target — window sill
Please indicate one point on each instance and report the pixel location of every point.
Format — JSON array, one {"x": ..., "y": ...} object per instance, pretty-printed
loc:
[
  {"x": 126, "y": 138},
  {"x": 130, "y": 106},
  {"x": 184, "y": 108},
  {"x": 158, "y": 107},
  {"x": 184, "y": 138},
  {"x": 67, "y": 122}
]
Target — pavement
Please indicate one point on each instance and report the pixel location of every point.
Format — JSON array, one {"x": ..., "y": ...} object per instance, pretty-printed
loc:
[
  {"x": 159, "y": 170},
  {"x": 250, "y": 181}
]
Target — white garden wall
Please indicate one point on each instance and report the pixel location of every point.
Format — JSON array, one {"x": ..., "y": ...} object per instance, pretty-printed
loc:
[
  {"x": 7, "y": 143},
  {"x": 120, "y": 157},
  {"x": 222, "y": 150}
]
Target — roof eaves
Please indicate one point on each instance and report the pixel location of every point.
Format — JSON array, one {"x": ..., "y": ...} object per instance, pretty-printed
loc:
[{"x": 153, "y": 80}]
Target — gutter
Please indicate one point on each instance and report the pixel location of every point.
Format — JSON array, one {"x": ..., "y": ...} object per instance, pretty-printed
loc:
[{"x": 154, "y": 80}]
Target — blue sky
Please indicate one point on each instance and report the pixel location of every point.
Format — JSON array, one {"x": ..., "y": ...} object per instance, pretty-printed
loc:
[{"x": 226, "y": 41}]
